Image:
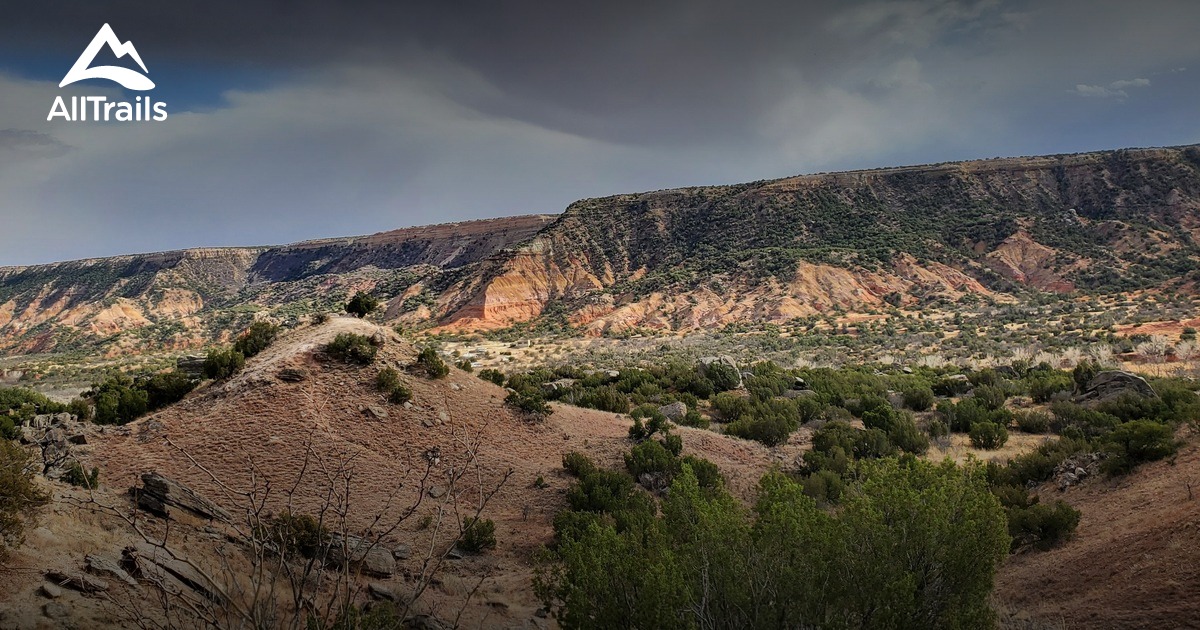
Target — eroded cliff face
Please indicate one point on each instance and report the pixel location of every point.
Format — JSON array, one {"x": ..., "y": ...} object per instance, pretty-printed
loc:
[
  {"x": 182, "y": 299},
  {"x": 677, "y": 260},
  {"x": 698, "y": 258}
]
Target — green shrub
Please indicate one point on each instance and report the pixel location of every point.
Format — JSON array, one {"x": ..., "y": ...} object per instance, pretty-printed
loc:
[
  {"x": 223, "y": 363},
  {"x": 165, "y": 389},
  {"x": 730, "y": 406},
  {"x": 824, "y": 486},
  {"x": 1033, "y": 421},
  {"x": 257, "y": 338},
  {"x": 989, "y": 397},
  {"x": 651, "y": 458},
  {"x": 352, "y": 348},
  {"x": 693, "y": 419},
  {"x": 1041, "y": 526},
  {"x": 78, "y": 476},
  {"x": 988, "y": 435},
  {"x": 80, "y": 408},
  {"x": 1076, "y": 421},
  {"x": 19, "y": 495},
  {"x": 919, "y": 398},
  {"x": 1137, "y": 442},
  {"x": 531, "y": 403},
  {"x": 578, "y": 464},
  {"x": 478, "y": 534},
  {"x": 647, "y": 422},
  {"x": 723, "y": 377},
  {"x": 388, "y": 382},
  {"x": 605, "y": 398},
  {"x": 296, "y": 534},
  {"x": 433, "y": 364},
  {"x": 465, "y": 365},
  {"x": 1043, "y": 386},
  {"x": 362, "y": 304},
  {"x": 117, "y": 401},
  {"x": 707, "y": 474},
  {"x": 1038, "y": 465},
  {"x": 494, "y": 376}
]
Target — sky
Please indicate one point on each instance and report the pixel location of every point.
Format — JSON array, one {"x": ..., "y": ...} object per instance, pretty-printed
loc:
[{"x": 297, "y": 119}]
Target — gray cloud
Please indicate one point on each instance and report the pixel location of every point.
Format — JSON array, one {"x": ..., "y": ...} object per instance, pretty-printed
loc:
[
  {"x": 371, "y": 115},
  {"x": 1116, "y": 89}
]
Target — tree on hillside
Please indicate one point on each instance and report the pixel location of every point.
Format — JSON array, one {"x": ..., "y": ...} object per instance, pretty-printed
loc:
[
  {"x": 915, "y": 546},
  {"x": 362, "y": 304}
]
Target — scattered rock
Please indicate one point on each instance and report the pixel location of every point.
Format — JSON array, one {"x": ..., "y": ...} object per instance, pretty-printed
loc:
[
  {"x": 78, "y": 439},
  {"x": 378, "y": 339},
  {"x": 108, "y": 566},
  {"x": 428, "y": 423},
  {"x": 425, "y": 622},
  {"x": 291, "y": 375},
  {"x": 702, "y": 367},
  {"x": 674, "y": 412},
  {"x": 142, "y": 554},
  {"x": 799, "y": 383},
  {"x": 613, "y": 374},
  {"x": 381, "y": 592},
  {"x": 57, "y": 610},
  {"x": 192, "y": 364},
  {"x": 368, "y": 557},
  {"x": 402, "y": 552},
  {"x": 455, "y": 386},
  {"x": 436, "y": 492},
  {"x": 51, "y": 590},
  {"x": 443, "y": 417},
  {"x": 169, "y": 492},
  {"x": 377, "y": 412},
  {"x": 454, "y": 554},
  {"x": 81, "y": 582},
  {"x": 1114, "y": 384},
  {"x": 906, "y": 370},
  {"x": 408, "y": 405},
  {"x": 560, "y": 384}
]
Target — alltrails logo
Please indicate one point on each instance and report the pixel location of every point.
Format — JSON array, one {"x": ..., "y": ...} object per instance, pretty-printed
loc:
[{"x": 99, "y": 108}]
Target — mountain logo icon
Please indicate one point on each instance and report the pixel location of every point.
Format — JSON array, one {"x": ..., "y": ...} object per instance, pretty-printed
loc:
[{"x": 130, "y": 79}]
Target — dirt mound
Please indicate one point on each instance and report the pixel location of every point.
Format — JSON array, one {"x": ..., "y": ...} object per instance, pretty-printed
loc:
[
  {"x": 331, "y": 429},
  {"x": 1134, "y": 561}
]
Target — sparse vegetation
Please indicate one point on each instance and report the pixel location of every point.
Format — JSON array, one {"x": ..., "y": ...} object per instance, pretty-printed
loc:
[
  {"x": 352, "y": 348},
  {"x": 19, "y": 495},
  {"x": 257, "y": 338},
  {"x": 223, "y": 363},
  {"x": 362, "y": 304},
  {"x": 432, "y": 364},
  {"x": 478, "y": 535},
  {"x": 388, "y": 382}
]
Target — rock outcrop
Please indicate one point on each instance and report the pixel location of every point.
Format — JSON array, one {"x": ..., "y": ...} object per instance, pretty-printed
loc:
[{"x": 1113, "y": 384}]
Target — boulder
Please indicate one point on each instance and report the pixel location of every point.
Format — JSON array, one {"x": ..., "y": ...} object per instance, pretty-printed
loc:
[
  {"x": 153, "y": 561},
  {"x": 51, "y": 591},
  {"x": 57, "y": 610},
  {"x": 380, "y": 592},
  {"x": 369, "y": 558},
  {"x": 559, "y": 385},
  {"x": 1113, "y": 384},
  {"x": 799, "y": 383},
  {"x": 81, "y": 582},
  {"x": 702, "y": 367},
  {"x": 107, "y": 566},
  {"x": 164, "y": 491},
  {"x": 674, "y": 411},
  {"x": 291, "y": 375},
  {"x": 377, "y": 412},
  {"x": 192, "y": 364}
]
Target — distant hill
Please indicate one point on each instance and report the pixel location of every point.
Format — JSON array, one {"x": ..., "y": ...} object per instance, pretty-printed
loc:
[
  {"x": 687, "y": 259},
  {"x": 1105, "y": 222},
  {"x": 187, "y": 298}
]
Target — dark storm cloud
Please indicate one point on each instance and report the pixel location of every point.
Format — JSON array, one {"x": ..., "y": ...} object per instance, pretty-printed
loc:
[{"x": 294, "y": 120}]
